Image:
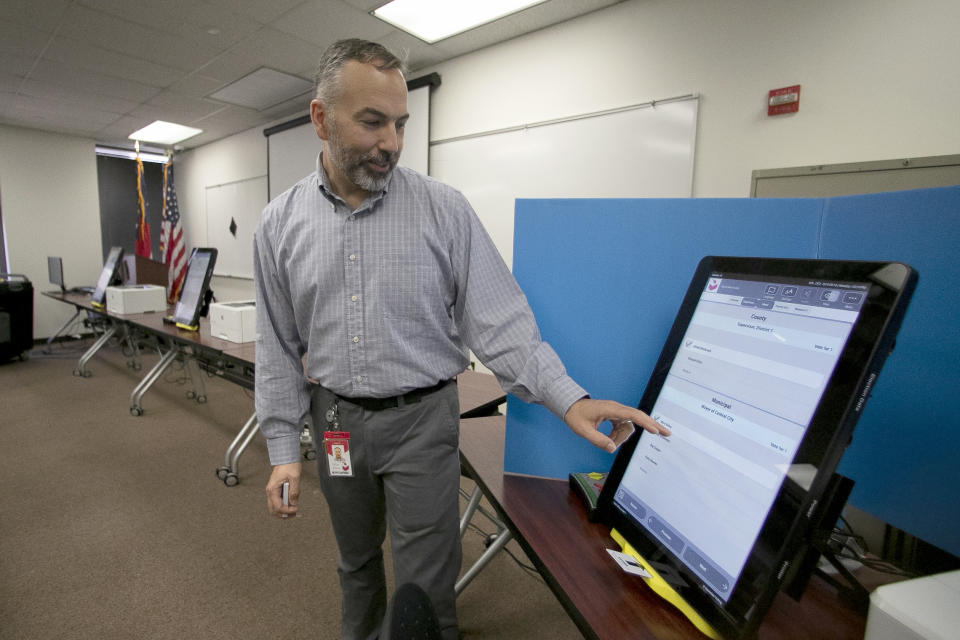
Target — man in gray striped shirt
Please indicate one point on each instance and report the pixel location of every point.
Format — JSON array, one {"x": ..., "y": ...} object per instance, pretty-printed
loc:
[{"x": 372, "y": 283}]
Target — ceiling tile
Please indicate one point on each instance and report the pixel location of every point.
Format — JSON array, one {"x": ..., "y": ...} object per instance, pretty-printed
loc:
[
  {"x": 18, "y": 39},
  {"x": 366, "y": 5},
  {"x": 191, "y": 20},
  {"x": 117, "y": 133},
  {"x": 262, "y": 89},
  {"x": 86, "y": 81},
  {"x": 196, "y": 85},
  {"x": 263, "y": 12},
  {"x": 61, "y": 115},
  {"x": 115, "y": 34},
  {"x": 230, "y": 66},
  {"x": 232, "y": 117},
  {"x": 10, "y": 82},
  {"x": 6, "y": 98},
  {"x": 280, "y": 51},
  {"x": 81, "y": 54},
  {"x": 298, "y": 106},
  {"x": 156, "y": 14},
  {"x": 414, "y": 52},
  {"x": 73, "y": 100},
  {"x": 176, "y": 107},
  {"x": 14, "y": 64},
  {"x": 204, "y": 138},
  {"x": 40, "y": 14},
  {"x": 324, "y": 22},
  {"x": 231, "y": 28}
]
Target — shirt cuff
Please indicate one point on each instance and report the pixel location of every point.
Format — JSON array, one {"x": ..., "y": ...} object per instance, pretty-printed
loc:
[
  {"x": 561, "y": 395},
  {"x": 284, "y": 449}
]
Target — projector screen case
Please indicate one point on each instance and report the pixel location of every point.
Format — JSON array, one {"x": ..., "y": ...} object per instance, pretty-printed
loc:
[{"x": 785, "y": 530}]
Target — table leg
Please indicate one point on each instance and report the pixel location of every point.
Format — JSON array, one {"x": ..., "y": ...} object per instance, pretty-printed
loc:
[
  {"x": 228, "y": 472},
  {"x": 66, "y": 324},
  {"x": 136, "y": 408},
  {"x": 199, "y": 391},
  {"x": 81, "y": 369},
  {"x": 503, "y": 537},
  {"x": 495, "y": 541}
]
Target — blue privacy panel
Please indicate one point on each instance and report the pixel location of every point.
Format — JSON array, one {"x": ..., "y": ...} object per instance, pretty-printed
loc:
[
  {"x": 904, "y": 456},
  {"x": 605, "y": 279}
]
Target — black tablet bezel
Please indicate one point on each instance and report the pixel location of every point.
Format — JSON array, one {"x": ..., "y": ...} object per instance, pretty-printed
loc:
[
  {"x": 111, "y": 267},
  {"x": 55, "y": 272},
  {"x": 783, "y": 535},
  {"x": 191, "y": 320}
]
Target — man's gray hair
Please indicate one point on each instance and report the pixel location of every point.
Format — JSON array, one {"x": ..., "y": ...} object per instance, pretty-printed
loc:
[{"x": 327, "y": 77}]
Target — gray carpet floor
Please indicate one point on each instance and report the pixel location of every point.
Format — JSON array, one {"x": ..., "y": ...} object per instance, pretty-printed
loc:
[{"x": 114, "y": 526}]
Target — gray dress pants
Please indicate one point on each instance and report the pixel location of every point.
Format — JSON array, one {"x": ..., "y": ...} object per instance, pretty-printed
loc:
[{"x": 406, "y": 478}]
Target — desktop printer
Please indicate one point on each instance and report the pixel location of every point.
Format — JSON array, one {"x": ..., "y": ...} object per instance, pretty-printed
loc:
[
  {"x": 233, "y": 321},
  {"x": 136, "y": 298}
]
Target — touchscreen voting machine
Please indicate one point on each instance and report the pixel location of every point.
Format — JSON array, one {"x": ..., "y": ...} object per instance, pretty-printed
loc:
[{"x": 761, "y": 380}]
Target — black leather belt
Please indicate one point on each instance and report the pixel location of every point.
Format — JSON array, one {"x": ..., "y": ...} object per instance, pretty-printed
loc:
[{"x": 411, "y": 397}]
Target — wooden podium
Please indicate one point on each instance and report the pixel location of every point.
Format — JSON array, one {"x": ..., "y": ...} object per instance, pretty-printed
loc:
[{"x": 145, "y": 271}]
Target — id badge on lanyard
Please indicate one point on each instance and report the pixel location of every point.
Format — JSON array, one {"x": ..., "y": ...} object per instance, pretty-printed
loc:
[{"x": 336, "y": 443}]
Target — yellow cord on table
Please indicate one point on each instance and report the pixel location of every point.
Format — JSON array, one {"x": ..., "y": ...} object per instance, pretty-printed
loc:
[{"x": 664, "y": 590}]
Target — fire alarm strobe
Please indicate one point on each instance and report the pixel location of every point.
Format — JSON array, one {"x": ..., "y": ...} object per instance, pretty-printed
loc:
[{"x": 785, "y": 100}]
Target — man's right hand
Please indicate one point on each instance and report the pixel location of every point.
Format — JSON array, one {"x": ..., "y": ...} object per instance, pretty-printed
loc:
[{"x": 280, "y": 474}]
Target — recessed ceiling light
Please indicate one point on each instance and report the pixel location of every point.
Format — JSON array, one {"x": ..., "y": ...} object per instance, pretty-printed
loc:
[
  {"x": 434, "y": 20},
  {"x": 164, "y": 133}
]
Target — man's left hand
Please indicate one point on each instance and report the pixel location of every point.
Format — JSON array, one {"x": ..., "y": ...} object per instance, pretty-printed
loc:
[{"x": 585, "y": 416}]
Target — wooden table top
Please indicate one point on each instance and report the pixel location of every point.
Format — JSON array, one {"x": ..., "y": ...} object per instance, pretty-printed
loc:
[{"x": 570, "y": 552}]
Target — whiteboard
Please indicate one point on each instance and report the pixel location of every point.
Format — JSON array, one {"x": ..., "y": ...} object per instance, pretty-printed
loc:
[
  {"x": 240, "y": 202},
  {"x": 643, "y": 151},
  {"x": 292, "y": 153}
]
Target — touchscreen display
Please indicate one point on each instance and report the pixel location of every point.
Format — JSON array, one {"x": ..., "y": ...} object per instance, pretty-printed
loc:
[
  {"x": 55, "y": 271},
  {"x": 107, "y": 274},
  {"x": 749, "y": 374},
  {"x": 194, "y": 286}
]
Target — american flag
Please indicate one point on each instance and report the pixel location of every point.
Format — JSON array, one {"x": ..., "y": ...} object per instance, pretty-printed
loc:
[
  {"x": 143, "y": 247},
  {"x": 172, "y": 251}
]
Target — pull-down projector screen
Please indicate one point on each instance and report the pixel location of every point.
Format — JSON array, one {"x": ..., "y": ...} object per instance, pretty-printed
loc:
[{"x": 292, "y": 150}]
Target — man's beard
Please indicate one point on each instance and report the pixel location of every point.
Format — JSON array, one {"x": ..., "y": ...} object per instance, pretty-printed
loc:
[{"x": 353, "y": 163}]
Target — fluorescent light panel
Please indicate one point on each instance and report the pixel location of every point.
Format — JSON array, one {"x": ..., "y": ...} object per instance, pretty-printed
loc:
[
  {"x": 434, "y": 20},
  {"x": 164, "y": 132}
]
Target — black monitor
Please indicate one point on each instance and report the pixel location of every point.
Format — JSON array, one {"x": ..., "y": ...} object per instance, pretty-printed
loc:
[
  {"x": 55, "y": 272},
  {"x": 761, "y": 380},
  {"x": 186, "y": 314},
  {"x": 108, "y": 276}
]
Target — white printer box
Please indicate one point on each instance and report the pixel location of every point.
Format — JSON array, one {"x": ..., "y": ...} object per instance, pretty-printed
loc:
[
  {"x": 233, "y": 321},
  {"x": 136, "y": 298},
  {"x": 919, "y": 609}
]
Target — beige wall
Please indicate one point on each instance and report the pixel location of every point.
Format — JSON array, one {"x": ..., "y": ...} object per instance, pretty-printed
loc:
[
  {"x": 879, "y": 79},
  {"x": 51, "y": 207},
  {"x": 239, "y": 157}
]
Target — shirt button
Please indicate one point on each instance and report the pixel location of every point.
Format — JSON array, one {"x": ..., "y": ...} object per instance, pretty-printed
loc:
[
  {"x": 353, "y": 256},
  {"x": 353, "y": 298},
  {"x": 356, "y": 338}
]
